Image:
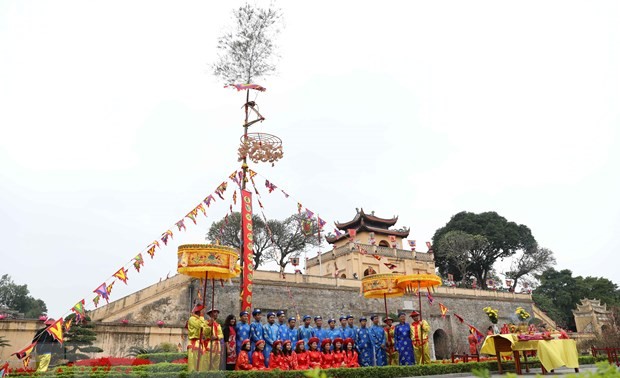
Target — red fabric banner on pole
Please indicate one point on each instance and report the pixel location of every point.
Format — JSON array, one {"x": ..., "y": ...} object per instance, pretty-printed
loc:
[{"x": 248, "y": 250}]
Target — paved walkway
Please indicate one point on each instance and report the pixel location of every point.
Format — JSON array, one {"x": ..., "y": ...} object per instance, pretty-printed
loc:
[{"x": 533, "y": 372}]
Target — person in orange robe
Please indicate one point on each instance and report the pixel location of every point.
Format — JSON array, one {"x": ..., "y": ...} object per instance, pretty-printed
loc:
[
  {"x": 243, "y": 359},
  {"x": 338, "y": 353},
  {"x": 258, "y": 357},
  {"x": 327, "y": 357},
  {"x": 351, "y": 358},
  {"x": 314, "y": 355},
  {"x": 276, "y": 359},
  {"x": 289, "y": 356},
  {"x": 390, "y": 346},
  {"x": 303, "y": 358}
]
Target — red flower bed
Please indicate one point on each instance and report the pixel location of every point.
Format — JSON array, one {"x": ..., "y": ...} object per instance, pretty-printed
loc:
[
  {"x": 180, "y": 361},
  {"x": 112, "y": 361}
]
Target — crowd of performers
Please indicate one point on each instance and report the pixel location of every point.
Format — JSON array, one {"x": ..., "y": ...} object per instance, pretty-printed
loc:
[{"x": 281, "y": 344}]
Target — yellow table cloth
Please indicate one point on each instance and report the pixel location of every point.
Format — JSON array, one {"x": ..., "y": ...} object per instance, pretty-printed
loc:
[{"x": 551, "y": 353}]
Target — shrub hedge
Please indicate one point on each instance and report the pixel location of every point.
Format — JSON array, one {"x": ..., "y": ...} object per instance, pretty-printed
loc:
[
  {"x": 164, "y": 370},
  {"x": 163, "y": 357}
]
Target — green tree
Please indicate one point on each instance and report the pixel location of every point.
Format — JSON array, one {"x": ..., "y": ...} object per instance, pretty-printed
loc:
[
  {"x": 504, "y": 240},
  {"x": 17, "y": 297},
  {"x": 227, "y": 231},
  {"x": 531, "y": 261},
  {"x": 79, "y": 339},
  {"x": 460, "y": 249},
  {"x": 289, "y": 238},
  {"x": 559, "y": 293}
]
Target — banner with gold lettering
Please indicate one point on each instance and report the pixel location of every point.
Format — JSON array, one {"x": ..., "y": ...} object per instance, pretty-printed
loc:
[{"x": 248, "y": 250}]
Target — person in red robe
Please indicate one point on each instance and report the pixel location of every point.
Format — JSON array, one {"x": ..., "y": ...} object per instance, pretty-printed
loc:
[
  {"x": 314, "y": 355},
  {"x": 338, "y": 353},
  {"x": 289, "y": 356},
  {"x": 276, "y": 359},
  {"x": 473, "y": 342},
  {"x": 303, "y": 358},
  {"x": 327, "y": 357},
  {"x": 258, "y": 357},
  {"x": 243, "y": 359},
  {"x": 351, "y": 358}
]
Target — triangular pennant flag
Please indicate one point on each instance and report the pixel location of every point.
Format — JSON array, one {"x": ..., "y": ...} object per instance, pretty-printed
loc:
[
  {"x": 109, "y": 288},
  {"x": 234, "y": 178},
  {"x": 96, "y": 301},
  {"x": 321, "y": 222},
  {"x": 201, "y": 208},
  {"x": 138, "y": 261},
  {"x": 209, "y": 199},
  {"x": 479, "y": 335},
  {"x": 285, "y": 194},
  {"x": 377, "y": 257},
  {"x": 4, "y": 370},
  {"x": 192, "y": 215},
  {"x": 151, "y": 251},
  {"x": 460, "y": 318},
  {"x": 443, "y": 309},
  {"x": 24, "y": 352},
  {"x": 221, "y": 189},
  {"x": 270, "y": 186},
  {"x": 55, "y": 330},
  {"x": 68, "y": 325},
  {"x": 181, "y": 225},
  {"x": 79, "y": 308},
  {"x": 337, "y": 232},
  {"x": 411, "y": 244},
  {"x": 165, "y": 235},
  {"x": 260, "y": 203},
  {"x": 390, "y": 266},
  {"x": 121, "y": 275},
  {"x": 309, "y": 214},
  {"x": 429, "y": 297},
  {"x": 102, "y": 291},
  {"x": 155, "y": 243},
  {"x": 252, "y": 173}
]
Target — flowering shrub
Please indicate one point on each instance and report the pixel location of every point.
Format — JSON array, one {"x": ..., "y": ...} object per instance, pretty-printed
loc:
[
  {"x": 492, "y": 313},
  {"x": 112, "y": 361},
  {"x": 522, "y": 314},
  {"x": 179, "y": 361}
]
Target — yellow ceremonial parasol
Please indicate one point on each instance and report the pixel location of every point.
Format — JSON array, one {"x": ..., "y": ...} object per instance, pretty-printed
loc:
[
  {"x": 414, "y": 282},
  {"x": 208, "y": 261},
  {"x": 382, "y": 286}
]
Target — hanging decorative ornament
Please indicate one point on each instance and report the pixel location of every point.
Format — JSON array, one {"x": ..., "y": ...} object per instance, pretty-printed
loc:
[{"x": 261, "y": 147}]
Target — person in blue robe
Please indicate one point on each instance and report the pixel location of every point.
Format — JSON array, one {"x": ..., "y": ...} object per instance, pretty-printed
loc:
[
  {"x": 270, "y": 333},
  {"x": 343, "y": 330},
  {"x": 351, "y": 327},
  {"x": 364, "y": 344},
  {"x": 282, "y": 323},
  {"x": 290, "y": 333},
  {"x": 242, "y": 329},
  {"x": 377, "y": 336},
  {"x": 403, "y": 341},
  {"x": 306, "y": 331},
  {"x": 319, "y": 331},
  {"x": 256, "y": 330},
  {"x": 332, "y": 331}
]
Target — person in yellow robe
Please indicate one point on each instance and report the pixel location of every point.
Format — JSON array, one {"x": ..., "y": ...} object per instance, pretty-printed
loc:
[
  {"x": 196, "y": 331},
  {"x": 390, "y": 346},
  {"x": 213, "y": 341},
  {"x": 419, "y": 332}
]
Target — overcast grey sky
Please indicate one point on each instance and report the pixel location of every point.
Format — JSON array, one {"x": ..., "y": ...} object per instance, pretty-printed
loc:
[{"x": 113, "y": 127}]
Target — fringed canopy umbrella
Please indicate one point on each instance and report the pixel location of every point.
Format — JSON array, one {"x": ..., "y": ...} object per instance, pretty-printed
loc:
[
  {"x": 382, "y": 286},
  {"x": 208, "y": 261},
  {"x": 414, "y": 282}
]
